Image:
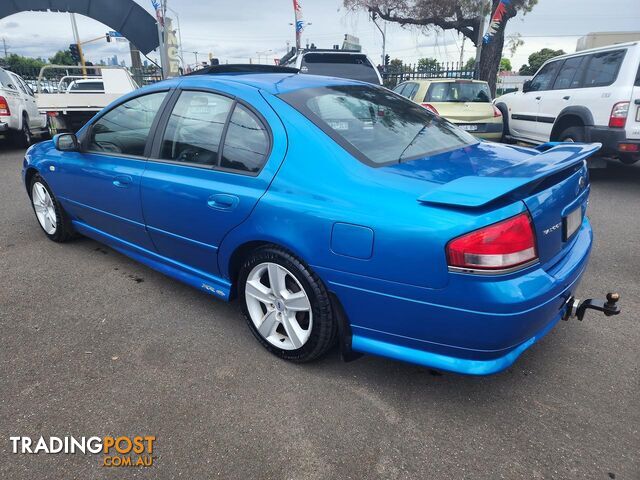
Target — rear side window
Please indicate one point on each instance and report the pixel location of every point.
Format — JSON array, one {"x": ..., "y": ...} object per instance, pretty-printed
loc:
[
  {"x": 412, "y": 89},
  {"x": 602, "y": 69},
  {"x": 5, "y": 80},
  {"x": 545, "y": 77},
  {"x": 375, "y": 125},
  {"x": 246, "y": 144},
  {"x": 342, "y": 65},
  {"x": 195, "y": 128},
  {"x": 458, "y": 92},
  {"x": 401, "y": 88},
  {"x": 125, "y": 129},
  {"x": 637, "y": 84},
  {"x": 570, "y": 74}
]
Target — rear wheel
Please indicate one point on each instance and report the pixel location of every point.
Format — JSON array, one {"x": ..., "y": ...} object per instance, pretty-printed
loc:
[
  {"x": 24, "y": 138},
  {"x": 629, "y": 159},
  {"x": 286, "y": 305},
  {"x": 505, "y": 124},
  {"x": 572, "y": 134},
  {"x": 51, "y": 217}
]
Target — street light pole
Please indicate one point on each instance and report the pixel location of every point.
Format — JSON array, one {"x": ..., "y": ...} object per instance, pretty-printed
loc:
[{"x": 383, "y": 32}]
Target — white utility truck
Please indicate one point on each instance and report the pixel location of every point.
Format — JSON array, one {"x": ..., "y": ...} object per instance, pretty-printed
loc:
[{"x": 71, "y": 95}]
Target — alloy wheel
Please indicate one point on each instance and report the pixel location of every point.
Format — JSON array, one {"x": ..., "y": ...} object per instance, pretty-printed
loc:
[
  {"x": 44, "y": 208},
  {"x": 278, "y": 306}
]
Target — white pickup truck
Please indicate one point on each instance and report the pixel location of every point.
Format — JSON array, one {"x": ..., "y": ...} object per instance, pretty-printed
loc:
[{"x": 70, "y": 97}]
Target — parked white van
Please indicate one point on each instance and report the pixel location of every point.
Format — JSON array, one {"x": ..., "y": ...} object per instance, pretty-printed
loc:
[
  {"x": 588, "y": 96},
  {"x": 19, "y": 115}
]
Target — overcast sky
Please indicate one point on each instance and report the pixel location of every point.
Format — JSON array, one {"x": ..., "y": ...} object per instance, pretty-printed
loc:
[{"x": 235, "y": 31}]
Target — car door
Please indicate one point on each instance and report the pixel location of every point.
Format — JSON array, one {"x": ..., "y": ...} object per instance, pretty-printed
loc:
[
  {"x": 214, "y": 157},
  {"x": 524, "y": 107},
  {"x": 36, "y": 120},
  {"x": 100, "y": 185},
  {"x": 560, "y": 95}
]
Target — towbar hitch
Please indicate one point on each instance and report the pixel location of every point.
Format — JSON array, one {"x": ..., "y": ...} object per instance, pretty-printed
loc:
[{"x": 577, "y": 308}]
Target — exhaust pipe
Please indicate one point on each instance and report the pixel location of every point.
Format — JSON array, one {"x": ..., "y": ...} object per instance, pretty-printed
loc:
[{"x": 578, "y": 309}]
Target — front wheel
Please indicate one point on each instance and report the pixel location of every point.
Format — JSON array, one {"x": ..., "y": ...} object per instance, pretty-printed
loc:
[
  {"x": 286, "y": 305},
  {"x": 51, "y": 217}
]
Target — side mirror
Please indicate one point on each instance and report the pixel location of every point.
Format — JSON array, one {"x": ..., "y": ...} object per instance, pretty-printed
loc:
[
  {"x": 526, "y": 86},
  {"x": 66, "y": 142}
]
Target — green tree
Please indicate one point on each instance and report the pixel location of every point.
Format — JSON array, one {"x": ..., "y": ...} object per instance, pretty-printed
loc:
[
  {"x": 428, "y": 64},
  {"x": 62, "y": 57},
  {"x": 18, "y": 63},
  {"x": 462, "y": 16},
  {"x": 536, "y": 59},
  {"x": 505, "y": 65},
  {"x": 397, "y": 66}
]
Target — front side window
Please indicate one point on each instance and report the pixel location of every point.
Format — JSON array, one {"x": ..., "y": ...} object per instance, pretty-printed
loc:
[
  {"x": 125, "y": 129},
  {"x": 569, "y": 76},
  {"x": 458, "y": 92},
  {"x": 545, "y": 77},
  {"x": 375, "y": 125},
  {"x": 603, "y": 67},
  {"x": 195, "y": 128},
  {"x": 246, "y": 144}
]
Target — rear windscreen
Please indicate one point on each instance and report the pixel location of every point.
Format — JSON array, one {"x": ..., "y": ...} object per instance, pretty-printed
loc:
[
  {"x": 342, "y": 65},
  {"x": 458, "y": 92},
  {"x": 377, "y": 126}
]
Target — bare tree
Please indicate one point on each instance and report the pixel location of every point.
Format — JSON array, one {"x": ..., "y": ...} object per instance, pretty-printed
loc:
[{"x": 460, "y": 15}]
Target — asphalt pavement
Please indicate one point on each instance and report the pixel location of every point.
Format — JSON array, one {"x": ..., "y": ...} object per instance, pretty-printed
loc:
[{"x": 93, "y": 343}]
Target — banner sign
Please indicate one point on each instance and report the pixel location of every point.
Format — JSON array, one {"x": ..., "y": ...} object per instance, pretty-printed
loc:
[
  {"x": 496, "y": 20},
  {"x": 299, "y": 21}
]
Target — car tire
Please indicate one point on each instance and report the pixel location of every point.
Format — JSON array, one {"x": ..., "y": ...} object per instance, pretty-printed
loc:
[
  {"x": 51, "y": 217},
  {"x": 572, "y": 134},
  {"x": 279, "y": 317},
  {"x": 629, "y": 159},
  {"x": 505, "y": 124},
  {"x": 23, "y": 138}
]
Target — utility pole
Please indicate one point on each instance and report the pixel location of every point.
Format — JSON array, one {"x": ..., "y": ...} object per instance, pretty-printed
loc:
[
  {"x": 76, "y": 37},
  {"x": 479, "y": 41},
  {"x": 4, "y": 45},
  {"x": 383, "y": 32}
]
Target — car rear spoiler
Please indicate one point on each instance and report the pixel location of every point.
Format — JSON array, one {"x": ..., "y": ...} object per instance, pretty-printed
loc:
[{"x": 475, "y": 191}]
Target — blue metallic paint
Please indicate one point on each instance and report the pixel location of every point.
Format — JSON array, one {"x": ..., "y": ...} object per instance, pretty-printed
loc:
[{"x": 400, "y": 299}]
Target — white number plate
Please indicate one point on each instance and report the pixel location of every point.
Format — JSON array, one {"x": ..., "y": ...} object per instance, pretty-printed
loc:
[
  {"x": 469, "y": 128},
  {"x": 572, "y": 223}
]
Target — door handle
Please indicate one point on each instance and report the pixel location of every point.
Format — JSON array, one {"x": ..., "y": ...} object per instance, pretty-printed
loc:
[
  {"x": 223, "y": 201},
  {"x": 637, "y": 102},
  {"x": 538, "y": 98},
  {"x": 122, "y": 181},
  {"x": 567, "y": 97}
]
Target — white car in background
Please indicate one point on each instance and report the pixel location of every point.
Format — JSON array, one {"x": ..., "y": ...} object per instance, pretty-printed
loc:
[
  {"x": 19, "y": 115},
  {"x": 587, "y": 96}
]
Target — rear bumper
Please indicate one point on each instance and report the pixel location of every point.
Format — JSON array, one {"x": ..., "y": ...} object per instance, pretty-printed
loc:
[
  {"x": 610, "y": 138},
  {"x": 4, "y": 128},
  {"x": 477, "y": 325}
]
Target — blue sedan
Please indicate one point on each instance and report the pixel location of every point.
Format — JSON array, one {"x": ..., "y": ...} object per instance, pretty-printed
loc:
[{"x": 334, "y": 210}]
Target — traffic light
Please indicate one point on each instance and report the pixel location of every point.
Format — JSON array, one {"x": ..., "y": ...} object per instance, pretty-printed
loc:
[
  {"x": 387, "y": 59},
  {"x": 75, "y": 52}
]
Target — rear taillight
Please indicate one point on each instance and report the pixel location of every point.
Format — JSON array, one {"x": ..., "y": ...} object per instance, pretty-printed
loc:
[
  {"x": 619, "y": 114},
  {"x": 500, "y": 246},
  {"x": 4, "y": 108},
  {"x": 430, "y": 107},
  {"x": 496, "y": 112}
]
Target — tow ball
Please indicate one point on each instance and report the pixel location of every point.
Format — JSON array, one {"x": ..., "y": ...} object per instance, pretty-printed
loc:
[{"x": 577, "y": 308}]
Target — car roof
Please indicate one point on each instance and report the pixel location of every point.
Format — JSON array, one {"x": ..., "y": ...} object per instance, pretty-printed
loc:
[{"x": 275, "y": 83}]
